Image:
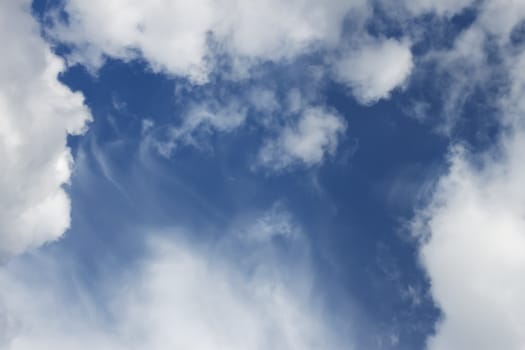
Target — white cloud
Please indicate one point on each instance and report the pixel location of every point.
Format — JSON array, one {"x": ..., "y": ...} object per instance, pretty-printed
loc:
[
  {"x": 307, "y": 142},
  {"x": 175, "y": 36},
  {"x": 304, "y": 139},
  {"x": 202, "y": 119},
  {"x": 171, "y": 35},
  {"x": 373, "y": 69},
  {"x": 249, "y": 33},
  {"x": 474, "y": 242},
  {"x": 180, "y": 296},
  {"x": 36, "y": 114},
  {"x": 475, "y": 253},
  {"x": 441, "y": 7}
]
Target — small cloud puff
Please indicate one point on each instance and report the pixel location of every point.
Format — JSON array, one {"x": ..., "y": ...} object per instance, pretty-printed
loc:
[
  {"x": 374, "y": 69},
  {"x": 307, "y": 142}
]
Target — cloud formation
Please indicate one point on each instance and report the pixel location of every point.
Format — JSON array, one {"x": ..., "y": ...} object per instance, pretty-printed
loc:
[
  {"x": 475, "y": 250},
  {"x": 37, "y": 112},
  {"x": 246, "y": 33},
  {"x": 201, "y": 120},
  {"x": 373, "y": 69},
  {"x": 308, "y": 141},
  {"x": 473, "y": 243},
  {"x": 268, "y": 30},
  {"x": 230, "y": 38},
  {"x": 180, "y": 296}
]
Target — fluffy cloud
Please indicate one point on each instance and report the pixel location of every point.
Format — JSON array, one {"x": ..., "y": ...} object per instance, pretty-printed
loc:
[
  {"x": 36, "y": 114},
  {"x": 247, "y": 34},
  {"x": 307, "y": 142},
  {"x": 475, "y": 250},
  {"x": 372, "y": 70},
  {"x": 179, "y": 296},
  {"x": 180, "y": 38},
  {"x": 473, "y": 245}
]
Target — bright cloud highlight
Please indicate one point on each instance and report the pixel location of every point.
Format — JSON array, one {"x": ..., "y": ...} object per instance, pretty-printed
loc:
[
  {"x": 268, "y": 30},
  {"x": 37, "y": 112}
]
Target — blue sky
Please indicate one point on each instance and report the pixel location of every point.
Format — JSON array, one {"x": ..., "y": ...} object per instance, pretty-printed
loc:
[{"x": 262, "y": 175}]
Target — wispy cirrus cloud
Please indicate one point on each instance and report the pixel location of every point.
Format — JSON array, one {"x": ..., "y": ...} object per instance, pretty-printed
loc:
[{"x": 180, "y": 294}]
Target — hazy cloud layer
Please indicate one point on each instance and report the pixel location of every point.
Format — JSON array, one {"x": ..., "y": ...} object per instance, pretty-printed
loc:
[{"x": 179, "y": 295}]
